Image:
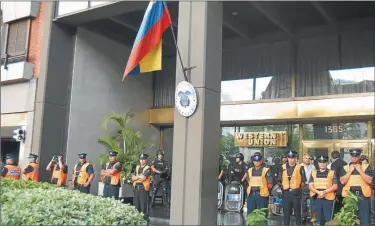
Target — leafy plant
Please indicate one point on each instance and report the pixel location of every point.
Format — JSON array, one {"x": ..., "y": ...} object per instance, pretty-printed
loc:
[
  {"x": 52, "y": 205},
  {"x": 257, "y": 217},
  {"x": 127, "y": 142},
  {"x": 348, "y": 213}
]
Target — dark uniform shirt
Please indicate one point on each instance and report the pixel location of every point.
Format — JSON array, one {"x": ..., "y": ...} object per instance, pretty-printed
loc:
[
  {"x": 160, "y": 165},
  {"x": 29, "y": 169},
  {"x": 89, "y": 170},
  {"x": 54, "y": 180},
  {"x": 258, "y": 173},
  {"x": 239, "y": 171},
  {"x": 147, "y": 173},
  {"x": 368, "y": 171},
  {"x": 289, "y": 171},
  {"x": 107, "y": 179}
]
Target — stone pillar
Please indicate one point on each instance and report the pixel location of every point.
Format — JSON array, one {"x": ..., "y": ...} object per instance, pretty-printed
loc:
[{"x": 196, "y": 139}]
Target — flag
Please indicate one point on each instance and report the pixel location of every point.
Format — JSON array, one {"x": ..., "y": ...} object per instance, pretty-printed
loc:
[{"x": 146, "y": 52}]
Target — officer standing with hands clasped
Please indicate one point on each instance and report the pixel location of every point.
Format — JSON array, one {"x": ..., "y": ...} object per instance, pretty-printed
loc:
[
  {"x": 11, "y": 169},
  {"x": 260, "y": 182},
  {"x": 59, "y": 171},
  {"x": 292, "y": 179},
  {"x": 356, "y": 178},
  {"x": 160, "y": 170},
  {"x": 322, "y": 184},
  {"x": 112, "y": 174},
  {"x": 31, "y": 172},
  {"x": 83, "y": 174},
  {"x": 141, "y": 183}
]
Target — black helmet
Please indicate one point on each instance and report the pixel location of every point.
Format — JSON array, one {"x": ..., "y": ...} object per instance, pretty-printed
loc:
[
  {"x": 159, "y": 152},
  {"x": 240, "y": 155}
]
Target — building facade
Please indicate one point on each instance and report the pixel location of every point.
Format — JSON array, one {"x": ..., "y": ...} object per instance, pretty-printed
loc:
[
  {"x": 21, "y": 41},
  {"x": 303, "y": 70}
]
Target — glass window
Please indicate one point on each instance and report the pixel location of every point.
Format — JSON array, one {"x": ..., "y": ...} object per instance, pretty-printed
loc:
[
  {"x": 356, "y": 80},
  {"x": 227, "y": 147},
  {"x": 68, "y": 7},
  {"x": 344, "y": 131},
  {"x": 271, "y": 153},
  {"x": 263, "y": 87},
  {"x": 237, "y": 90}
]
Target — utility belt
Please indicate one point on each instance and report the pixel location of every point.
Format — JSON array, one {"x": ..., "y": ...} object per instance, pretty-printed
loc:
[
  {"x": 139, "y": 186},
  {"x": 296, "y": 191},
  {"x": 357, "y": 192},
  {"x": 256, "y": 192}
]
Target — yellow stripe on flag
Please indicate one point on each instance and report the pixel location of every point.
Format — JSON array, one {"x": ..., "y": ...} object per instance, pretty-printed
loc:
[{"x": 152, "y": 61}]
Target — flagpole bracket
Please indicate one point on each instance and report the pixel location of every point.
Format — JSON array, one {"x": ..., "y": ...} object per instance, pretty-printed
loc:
[{"x": 185, "y": 69}]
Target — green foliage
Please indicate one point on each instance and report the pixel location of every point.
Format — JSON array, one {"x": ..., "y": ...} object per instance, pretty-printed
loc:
[
  {"x": 257, "y": 217},
  {"x": 43, "y": 204},
  {"x": 131, "y": 142},
  {"x": 348, "y": 213}
]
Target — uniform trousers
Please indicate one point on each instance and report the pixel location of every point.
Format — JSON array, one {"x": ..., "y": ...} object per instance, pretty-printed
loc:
[
  {"x": 363, "y": 209},
  {"x": 255, "y": 201},
  {"x": 292, "y": 200},
  {"x": 322, "y": 207},
  {"x": 111, "y": 191},
  {"x": 140, "y": 200},
  {"x": 83, "y": 189}
]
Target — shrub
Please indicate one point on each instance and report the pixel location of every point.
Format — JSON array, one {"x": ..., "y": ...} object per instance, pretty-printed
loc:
[
  {"x": 348, "y": 213},
  {"x": 24, "y": 203},
  {"x": 257, "y": 217}
]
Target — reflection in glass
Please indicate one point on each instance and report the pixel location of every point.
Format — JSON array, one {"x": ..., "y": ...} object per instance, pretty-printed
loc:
[
  {"x": 68, "y": 7},
  {"x": 356, "y": 80},
  {"x": 227, "y": 147},
  {"x": 342, "y": 131},
  {"x": 262, "y": 87},
  {"x": 237, "y": 90}
]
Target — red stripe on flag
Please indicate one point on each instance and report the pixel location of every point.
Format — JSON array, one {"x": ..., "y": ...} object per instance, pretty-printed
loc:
[{"x": 149, "y": 41}]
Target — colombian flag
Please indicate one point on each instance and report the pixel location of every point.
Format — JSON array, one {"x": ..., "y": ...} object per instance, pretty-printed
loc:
[{"x": 146, "y": 52}]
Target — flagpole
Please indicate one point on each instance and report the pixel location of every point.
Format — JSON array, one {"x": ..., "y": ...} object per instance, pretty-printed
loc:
[{"x": 179, "y": 54}]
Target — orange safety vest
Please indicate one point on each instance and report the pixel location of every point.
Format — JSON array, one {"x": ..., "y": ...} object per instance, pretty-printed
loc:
[
  {"x": 357, "y": 180},
  {"x": 260, "y": 182},
  {"x": 14, "y": 172},
  {"x": 115, "y": 178},
  {"x": 323, "y": 183},
  {"x": 33, "y": 175},
  {"x": 295, "y": 181},
  {"x": 83, "y": 176},
  {"x": 146, "y": 181},
  {"x": 60, "y": 175}
]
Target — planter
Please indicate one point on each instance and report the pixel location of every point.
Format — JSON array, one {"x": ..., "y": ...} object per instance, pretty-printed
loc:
[{"x": 126, "y": 190}]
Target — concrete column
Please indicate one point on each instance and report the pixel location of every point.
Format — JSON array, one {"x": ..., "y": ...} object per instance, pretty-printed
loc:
[{"x": 196, "y": 139}]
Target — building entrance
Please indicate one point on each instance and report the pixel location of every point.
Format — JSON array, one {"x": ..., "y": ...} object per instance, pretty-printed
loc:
[{"x": 326, "y": 147}]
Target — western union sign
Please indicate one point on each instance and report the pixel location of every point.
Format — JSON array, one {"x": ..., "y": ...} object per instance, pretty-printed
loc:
[{"x": 261, "y": 139}]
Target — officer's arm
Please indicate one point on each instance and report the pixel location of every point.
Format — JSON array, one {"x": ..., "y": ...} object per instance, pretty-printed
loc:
[
  {"x": 269, "y": 179},
  {"x": 28, "y": 169},
  {"x": 90, "y": 171},
  {"x": 334, "y": 186},
  {"x": 50, "y": 166},
  {"x": 153, "y": 168},
  {"x": 221, "y": 174},
  {"x": 345, "y": 175},
  {"x": 145, "y": 175},
  {"x": 366, "y": 176},
  {"x": 311, "y": 185},
  {"x": 246, "y": 174},
  {"x": 116, "y": 168},
  {"x": 4, "y": 171}
]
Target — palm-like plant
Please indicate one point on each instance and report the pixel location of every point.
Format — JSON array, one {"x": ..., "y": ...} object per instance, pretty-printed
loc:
[{"x": 131, "y": 141}]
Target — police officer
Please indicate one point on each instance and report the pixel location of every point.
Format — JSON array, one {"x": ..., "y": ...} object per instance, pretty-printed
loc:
[
  {"x": 31, "y": 172},
  {"x": 292, "y": 179},
  {"x": 59, "y": 171},
  {"x": 260, "y": 182},
  {"x": 336, "y": 165},
  {"x": 322, "y": 184},
  {"x": 356, "y": 178},
  {"x": 160, "y": 170},
  {"x": 239, "y": 173},
  {"x": 141, "y": 182},
  {"x": 11, "y": 169},
  {"x": 112, "y": 174},
  {"x": 83, "y": 174}
]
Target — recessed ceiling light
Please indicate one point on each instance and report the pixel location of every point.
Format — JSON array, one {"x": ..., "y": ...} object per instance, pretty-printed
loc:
[{"x": 235, "y": 13}]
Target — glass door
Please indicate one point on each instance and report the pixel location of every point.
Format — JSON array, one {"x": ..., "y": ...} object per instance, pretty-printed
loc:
[
  {"x": 316, "y": 148},
  {"x": 344, "y": 147}
]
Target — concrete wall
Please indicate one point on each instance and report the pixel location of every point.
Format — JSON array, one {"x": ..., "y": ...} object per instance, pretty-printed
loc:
[
  {"x": 18, "y": 97},
  {"x": 97, "y": 90}
]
